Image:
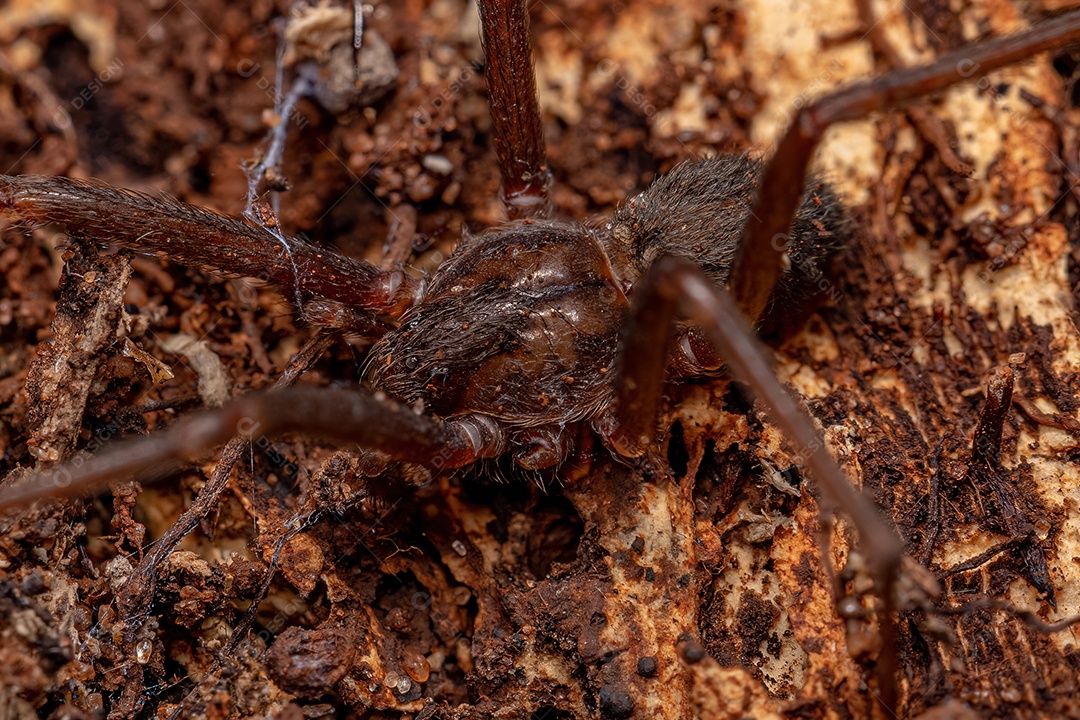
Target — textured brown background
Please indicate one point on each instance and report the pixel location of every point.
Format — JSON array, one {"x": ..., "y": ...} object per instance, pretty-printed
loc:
[{"x": 502, "y": 599}]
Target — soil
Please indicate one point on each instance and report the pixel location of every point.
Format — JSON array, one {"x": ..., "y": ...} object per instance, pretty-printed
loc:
[{"x": 942, "y": 364}]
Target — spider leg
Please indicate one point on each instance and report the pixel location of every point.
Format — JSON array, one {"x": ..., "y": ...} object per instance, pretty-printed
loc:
[
  {"x": 764, "y": 240},
  {"x": 371, "y": 421},
  {"x": 196, "y": 236},
  {"x": 676, "y": 287},
  {"x": 517, "y": 131}
]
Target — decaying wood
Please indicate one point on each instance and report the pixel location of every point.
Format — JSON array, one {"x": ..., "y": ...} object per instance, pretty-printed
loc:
[
  {"x": 87, "y": 327},
  {"x": 702, "y": 591}
]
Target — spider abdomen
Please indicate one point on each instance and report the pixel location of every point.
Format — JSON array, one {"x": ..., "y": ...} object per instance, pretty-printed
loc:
[
  {"x": 698, "y": 211},
  {"x": 521, "y": 323}
]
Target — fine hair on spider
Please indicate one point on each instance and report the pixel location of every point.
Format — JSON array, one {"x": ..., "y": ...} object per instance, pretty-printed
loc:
[{"x": 536, "y": 336}]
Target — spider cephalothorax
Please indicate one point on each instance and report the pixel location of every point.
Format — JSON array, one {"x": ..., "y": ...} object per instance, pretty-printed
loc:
[{"x": 526, "y": 315}]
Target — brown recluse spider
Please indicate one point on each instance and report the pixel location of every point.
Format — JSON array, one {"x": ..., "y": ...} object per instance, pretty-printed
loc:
[{"x": 537, "y": 328}]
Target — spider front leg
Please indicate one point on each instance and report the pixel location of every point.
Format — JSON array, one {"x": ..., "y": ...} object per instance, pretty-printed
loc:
[
  {"x": 517, "y": 129},
  {"x": 370, "y": 421},
  {"x": 765, "y": 238},
  {"x": 676, "y": 287},
  {"x": 347, "y": 291}
]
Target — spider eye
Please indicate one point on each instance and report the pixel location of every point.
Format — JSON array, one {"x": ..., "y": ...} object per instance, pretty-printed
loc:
[{"x": 412, "y": 362}]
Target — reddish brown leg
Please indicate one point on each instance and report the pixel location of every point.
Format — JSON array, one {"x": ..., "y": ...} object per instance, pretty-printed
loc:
[
  {"x": 355, "y": 417},
  {"x": 196, "y": 236},
  {"x": 765, "y": 236},
  {"x": 517, "y": 131},
  {"x": 674, "y": 286}
]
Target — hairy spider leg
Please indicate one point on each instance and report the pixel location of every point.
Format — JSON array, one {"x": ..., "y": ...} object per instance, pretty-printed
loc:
[
  {"x": 351, "y": 290},
  {"x": 371, "y": 421},
  {"x": 517, "y": 131},
  {"x": 765, "y": 238},
  {"x": 675, "y": 287}
]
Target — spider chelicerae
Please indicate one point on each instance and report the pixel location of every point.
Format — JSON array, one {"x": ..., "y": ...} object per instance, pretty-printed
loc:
[{"x": 537, "y": 329}]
